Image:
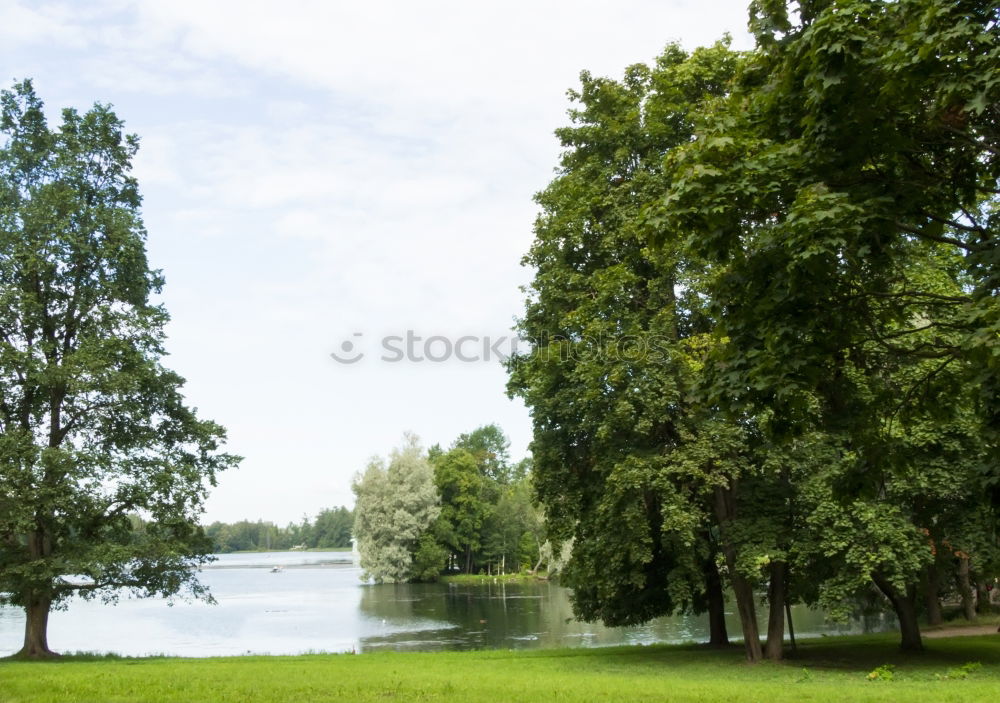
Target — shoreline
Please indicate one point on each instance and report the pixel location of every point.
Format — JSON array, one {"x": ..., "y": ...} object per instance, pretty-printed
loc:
[{"x": 483, "y": 579}]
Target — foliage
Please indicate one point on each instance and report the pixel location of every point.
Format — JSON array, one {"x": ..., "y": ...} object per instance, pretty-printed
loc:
[
  {"x": 94, "y": 429},
  {"x": 627, "y": 460},
  {"x": 845, "y": 195},
  {"x": 515, "y": 531},
  {"x": 465, "y": 503},
  {"x": 489, "y": 520},
  {"x": 331, "y": 529},
  {"x": 429, "y": 558},
  {"x": 882, "y": 673},
  {"x": 486, "y": 519},
  {"x": 490, "y": 448},
  {"x": 396, "y": 504},
  {"x": 756, "y": 277},
  {"x": 962, "y": 672}
]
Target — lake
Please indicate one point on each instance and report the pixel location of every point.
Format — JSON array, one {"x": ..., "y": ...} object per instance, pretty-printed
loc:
[{"x": 318, "y": 603}]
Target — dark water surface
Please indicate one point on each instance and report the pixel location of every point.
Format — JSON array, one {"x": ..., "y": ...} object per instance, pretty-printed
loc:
[{"x": 317, "y": 602}]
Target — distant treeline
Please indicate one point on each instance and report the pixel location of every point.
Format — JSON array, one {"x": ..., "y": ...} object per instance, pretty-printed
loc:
[{"x": 330, "y": 530}]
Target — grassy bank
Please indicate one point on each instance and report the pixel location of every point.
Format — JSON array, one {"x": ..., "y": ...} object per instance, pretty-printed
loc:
[
  {"x": 826, "y": 669},
  {"x": 475, "y": 579}
]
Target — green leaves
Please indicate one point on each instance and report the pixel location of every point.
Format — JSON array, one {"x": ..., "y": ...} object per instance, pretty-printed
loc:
[
  {"x": 397, "y": 503},
  {"x": 621, "y": 332},
  {"x": 93, "y": 429},
  {"x": 809, "y": 233}
]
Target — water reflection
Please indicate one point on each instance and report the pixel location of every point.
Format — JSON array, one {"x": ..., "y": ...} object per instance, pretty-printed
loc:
[
  {"x": 317, "y": 602},
  {"x": 517, "y": 616}
]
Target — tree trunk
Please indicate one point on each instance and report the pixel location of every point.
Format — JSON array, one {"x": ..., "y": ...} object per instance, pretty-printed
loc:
[
  {"x": 791, "y": 626},
  {"x": 718, "y": 636},
  {"x": 909, "y": 628},
  {"x": 36, "y": 624},
  {"x": 742, "y": 589},
  {"x": 906, "y": 613},
  {"x": 983, "y": 606},
  {"x": 538, "y": 564},
  {"x": 965, "y": 589},
  {"x": 748, "y": 615},
  {"x": 774, "y": 647},
  {"x": 931, "y": 582}
]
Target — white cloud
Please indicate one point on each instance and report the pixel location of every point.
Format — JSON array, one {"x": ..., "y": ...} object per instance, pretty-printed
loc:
[
  {"x": 53, "y": 24},
  {"x": 313, "y": 169}
]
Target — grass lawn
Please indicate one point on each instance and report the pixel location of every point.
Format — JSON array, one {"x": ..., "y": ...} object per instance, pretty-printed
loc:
[{"x": 826, "y": 669}]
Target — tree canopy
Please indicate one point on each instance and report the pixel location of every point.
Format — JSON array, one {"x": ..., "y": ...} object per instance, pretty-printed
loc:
[
  {"x": 94, "y": 431},
  {"x": 764, "y": 317},
  {"x": 396, "y": 504}
]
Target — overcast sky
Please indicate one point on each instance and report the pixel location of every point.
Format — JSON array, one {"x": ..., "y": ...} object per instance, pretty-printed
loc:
[{"x": 322, "y": 172}]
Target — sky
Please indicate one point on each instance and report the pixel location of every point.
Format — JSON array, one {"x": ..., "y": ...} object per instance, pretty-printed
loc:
[{"x": 321, "y": 176}]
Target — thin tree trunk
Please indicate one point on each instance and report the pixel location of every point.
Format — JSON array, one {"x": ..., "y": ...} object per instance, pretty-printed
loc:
[
  {"x": 538, "y": 549},
  {"x": 791, "y": 626},
  {"x": 982, "y": 597},
  {"x": 36, "y": 623},
  {"x": 538, "y": 564},
  {"x": 965, "y": 588},
  {"x": 906, "y": 612},
  {"x": 718, "y": 636},
  {"x": 725, "y": 510},
  {"x": 931, "y": 582},
  {"x": 748, "y": 615},
  {"x": 774, "y": 647}
]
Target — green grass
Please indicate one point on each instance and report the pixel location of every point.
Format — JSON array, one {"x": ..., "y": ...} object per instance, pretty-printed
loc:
[{"x": 826, "y": 669}]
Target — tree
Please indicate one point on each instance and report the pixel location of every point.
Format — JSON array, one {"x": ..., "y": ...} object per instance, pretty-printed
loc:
[
  {"x": 845, "y": 194},
  {"x": 333, "y": 528},
  {"x": 93, "y": 429},
  {"x": 396, "y": 504},
  {"x": 619, "y": 331},
  {"x": 856, "y": 133},
  {"x": 515, "y": 530},
  {"x": 490, "y": 447},
  {"x": 465, "y": 504},
  {"x": 720, "y": 306}
]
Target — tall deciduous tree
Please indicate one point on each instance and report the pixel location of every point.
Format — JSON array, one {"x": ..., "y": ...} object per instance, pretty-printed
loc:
[
  {"x": 397, "y": 503},
  {"x": 465, "y": 504},
  {"x": 752, "y": 283},
  {"x": 858, "y": 154},
  {"x": 619, "y": 330},
  {"x": 93, "y": 430},
  {"x": 490, "y": 447}
]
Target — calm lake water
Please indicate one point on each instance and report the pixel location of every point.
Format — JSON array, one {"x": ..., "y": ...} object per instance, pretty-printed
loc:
[{"x": 318, "y": 603}]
